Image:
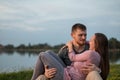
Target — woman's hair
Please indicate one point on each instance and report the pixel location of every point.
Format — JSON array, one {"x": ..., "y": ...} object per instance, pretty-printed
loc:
[{"x": 101, "y": 46}]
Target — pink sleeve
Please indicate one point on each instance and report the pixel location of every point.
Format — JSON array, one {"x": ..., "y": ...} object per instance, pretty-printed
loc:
[
  {"x": 90, "y": 56},
  {"x": 79, "y": 57}
]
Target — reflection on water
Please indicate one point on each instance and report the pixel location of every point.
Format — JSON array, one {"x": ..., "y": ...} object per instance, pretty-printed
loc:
[
  {"x": 114, "y": 57},
  {"x": 14, "y": 61}
]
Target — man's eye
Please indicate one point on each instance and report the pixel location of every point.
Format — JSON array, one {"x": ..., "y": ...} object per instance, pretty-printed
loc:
[{"x": 83, "y": 35}]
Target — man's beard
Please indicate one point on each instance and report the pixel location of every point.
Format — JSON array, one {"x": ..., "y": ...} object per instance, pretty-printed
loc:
[{"x": 81, "y": 44}]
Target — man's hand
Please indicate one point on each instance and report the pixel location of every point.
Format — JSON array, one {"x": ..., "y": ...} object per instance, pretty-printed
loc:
[
  {"x": 49, "y": 73},
  {"x": 89, "y": 67}
]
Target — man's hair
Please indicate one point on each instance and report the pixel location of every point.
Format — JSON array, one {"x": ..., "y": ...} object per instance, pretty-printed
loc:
[{"x": 78, "y": 26}]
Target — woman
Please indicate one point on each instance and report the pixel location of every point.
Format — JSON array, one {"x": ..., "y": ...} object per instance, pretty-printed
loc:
[{"x": 97, "y": 54}]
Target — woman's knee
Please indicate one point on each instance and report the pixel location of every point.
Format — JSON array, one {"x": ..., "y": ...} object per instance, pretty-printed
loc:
[
  {"x": 49, "y": 52},
  {"x": 42, "y": 55}
]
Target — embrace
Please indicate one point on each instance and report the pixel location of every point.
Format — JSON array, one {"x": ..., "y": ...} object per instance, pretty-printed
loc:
[{"x": 77, "y": 60}]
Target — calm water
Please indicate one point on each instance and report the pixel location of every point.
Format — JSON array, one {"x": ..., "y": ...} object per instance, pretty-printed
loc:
[{"x": 15, "y": 61}]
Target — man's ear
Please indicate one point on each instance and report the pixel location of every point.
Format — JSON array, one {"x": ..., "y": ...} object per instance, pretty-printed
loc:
[{"x": 72, "y": 35}]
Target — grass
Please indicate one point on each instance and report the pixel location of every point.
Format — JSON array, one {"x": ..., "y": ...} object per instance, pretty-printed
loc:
[
  {"x": 21, "y": 75},
  {"x": 26, "y": 75},
  {"x": 114, "y": 72}
]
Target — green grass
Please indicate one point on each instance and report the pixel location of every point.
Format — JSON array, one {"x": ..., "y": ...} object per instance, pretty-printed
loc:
[
  {"x": 114, "y": 72},
  {"x": 21, "y": 75},
  {"x": 26, "y": 75}
]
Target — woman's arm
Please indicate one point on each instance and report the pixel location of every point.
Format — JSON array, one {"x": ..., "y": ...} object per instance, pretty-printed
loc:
[{"x": 76, "y": 57}]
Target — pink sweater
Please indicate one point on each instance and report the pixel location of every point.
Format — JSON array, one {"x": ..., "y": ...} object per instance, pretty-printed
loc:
[{"x": 74, "y": 72}]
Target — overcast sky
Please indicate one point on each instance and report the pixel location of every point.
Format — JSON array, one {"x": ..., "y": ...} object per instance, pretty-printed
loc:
[{"x": 50, "y": 21}]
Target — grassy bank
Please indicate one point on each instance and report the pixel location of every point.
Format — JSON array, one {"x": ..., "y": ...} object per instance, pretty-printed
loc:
[
  {"x": 21, "y": 75},
  {"x": 114, "y": 72},
  {"x": 26, "y": 75}
]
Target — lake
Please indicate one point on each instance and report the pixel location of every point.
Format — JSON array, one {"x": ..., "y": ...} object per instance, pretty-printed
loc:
[{"x": 15, "y": 61}]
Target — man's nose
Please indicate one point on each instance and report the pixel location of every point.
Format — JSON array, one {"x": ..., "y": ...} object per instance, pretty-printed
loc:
[{"x": 83, "y": 37}]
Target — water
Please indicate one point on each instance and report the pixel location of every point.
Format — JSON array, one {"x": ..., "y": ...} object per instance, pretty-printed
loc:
[
  {"x": 14, "y": 61},
  {"x": 114, "y": 57}
]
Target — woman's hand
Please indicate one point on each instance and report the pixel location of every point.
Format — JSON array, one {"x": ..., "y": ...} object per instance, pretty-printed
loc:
[
  {"x": 49, "y": 73},
  {"x": 70, "y": 47}
]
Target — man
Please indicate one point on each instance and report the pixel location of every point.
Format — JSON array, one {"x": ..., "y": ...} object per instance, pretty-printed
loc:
[{"x": 78, "y": 34}]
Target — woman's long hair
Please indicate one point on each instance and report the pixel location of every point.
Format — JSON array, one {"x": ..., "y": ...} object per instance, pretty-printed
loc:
[{"x": 101, "y": 46}]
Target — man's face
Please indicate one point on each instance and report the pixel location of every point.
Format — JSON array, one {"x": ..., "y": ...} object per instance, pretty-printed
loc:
[{"x": 79, "y": 36}]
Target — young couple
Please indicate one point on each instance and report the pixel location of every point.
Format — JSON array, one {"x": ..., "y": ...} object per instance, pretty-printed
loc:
[{"x": 74, "y": 61}]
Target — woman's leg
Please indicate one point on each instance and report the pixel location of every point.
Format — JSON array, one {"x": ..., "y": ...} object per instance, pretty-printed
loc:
[
  {"x": 94, "y": 75},
  {"x": 39, "y": 68},
  {"x": 52, "y": 62},
  {"x": 42, "y": 77},
  {"x": 56, "y": 57}
]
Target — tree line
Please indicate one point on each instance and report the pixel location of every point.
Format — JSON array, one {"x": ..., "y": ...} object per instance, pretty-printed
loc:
[{"x": 113, "y": 44}]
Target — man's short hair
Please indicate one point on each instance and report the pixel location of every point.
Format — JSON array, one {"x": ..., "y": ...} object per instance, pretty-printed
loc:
[{"x": 78, "y": 26}]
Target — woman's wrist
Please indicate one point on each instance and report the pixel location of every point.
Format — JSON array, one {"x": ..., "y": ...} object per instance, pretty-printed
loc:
[{"x": 70, "y": 49}]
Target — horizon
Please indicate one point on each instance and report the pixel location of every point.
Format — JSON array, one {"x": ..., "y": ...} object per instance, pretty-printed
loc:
[{"x": 45, "y": 43}]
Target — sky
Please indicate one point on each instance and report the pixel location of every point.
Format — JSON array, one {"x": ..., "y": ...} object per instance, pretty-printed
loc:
[{"x": 50, "y": 21}]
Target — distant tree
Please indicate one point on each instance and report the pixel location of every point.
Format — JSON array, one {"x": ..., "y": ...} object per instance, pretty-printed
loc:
[
  {"x": 29, "y": 46},
  {"x": 9, "y": 46},
  {"x": 114, "y": 43},
  {"x": 44, "y": 46},
  {"x": 22, "y": 46},
  {"x": 58, "y": 46},
  {"x": 1, "y": 46}
]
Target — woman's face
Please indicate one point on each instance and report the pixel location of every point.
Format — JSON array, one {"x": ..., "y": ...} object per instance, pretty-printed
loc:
[{"x": 92, "y": 43}]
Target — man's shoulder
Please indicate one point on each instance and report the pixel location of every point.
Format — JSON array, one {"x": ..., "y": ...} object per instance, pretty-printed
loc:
[{"x": 63, "y": 50}]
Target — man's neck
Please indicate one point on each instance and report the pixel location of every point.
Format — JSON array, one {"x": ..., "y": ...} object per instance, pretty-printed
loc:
[{"x": 78, "y": 47}]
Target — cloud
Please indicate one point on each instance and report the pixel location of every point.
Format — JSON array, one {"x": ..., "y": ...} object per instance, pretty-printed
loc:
[
  {"x": 35, "y": 18},
  {"x": 33, "y": 29},
  {"x": 30, "y": 14},
  {"x": 55, "y": 10},
  {"x": 22, "y": 27}
]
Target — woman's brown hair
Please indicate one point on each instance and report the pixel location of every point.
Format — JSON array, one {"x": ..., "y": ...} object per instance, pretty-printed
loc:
[{"x": 101, "y": 46}]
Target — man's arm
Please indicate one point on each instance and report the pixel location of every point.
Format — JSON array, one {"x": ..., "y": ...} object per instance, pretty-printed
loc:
[
  {"x": 90, "y": 67},
  {"x": 49, "y": 73},
  {"x": 76, "y": 57},
  {"x": 41, "y": 70},
  {"x": 63, "y": 54}
]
